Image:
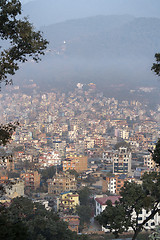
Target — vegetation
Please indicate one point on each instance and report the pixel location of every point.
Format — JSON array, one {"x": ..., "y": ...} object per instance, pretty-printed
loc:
[
  {"x": 19, "y": 33},
  {"x": 31, "y": 221},
  {"x": 156, "y": 153},
  {"x": 84, "y": 194},
  {"x": 134, "y": 198},
  {"x": 156, "y": 66},
  {"x": 84, "y": 211},
  {"x": 122, "y": 144}
]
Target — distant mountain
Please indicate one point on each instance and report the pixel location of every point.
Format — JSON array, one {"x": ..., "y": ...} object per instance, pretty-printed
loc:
[
  {"x": 102, "y": 36},
  {"x": 115, "y": 52},
  {"x": 43, "y": 13}
]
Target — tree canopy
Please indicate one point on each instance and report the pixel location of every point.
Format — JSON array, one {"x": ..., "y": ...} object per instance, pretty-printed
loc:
[
  {"x": 156, "y": 66},
  {"x": 156, "y": 153},
  {"x": 125, "y": 213},
  {"x": 28, "y": 220},
  {"x": 21, "y": 37}
]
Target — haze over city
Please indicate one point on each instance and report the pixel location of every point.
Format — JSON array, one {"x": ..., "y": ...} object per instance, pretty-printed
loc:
[{"x": 79, "y": 130}]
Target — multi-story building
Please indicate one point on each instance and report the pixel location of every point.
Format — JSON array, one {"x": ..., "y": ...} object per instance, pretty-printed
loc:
[
  {"x": 31, "y": 180},
  {"x": 101, "y": 205},
  {"x": 68, "y": 202},
  {"x": 6, "y": 162},
  {"x": 14, "y": 188},
  {"x": 148, "y": 162},
  {"x": 107, "y": 156},
  {"x": 49, "y": 159},
  {"x": 122, "y": 161},
  {"x": 61, "y": 183},
  {"x": 76, "y": 162},
  {"x": 114, "y": 183},
  {"x": 73, "y": 222}
]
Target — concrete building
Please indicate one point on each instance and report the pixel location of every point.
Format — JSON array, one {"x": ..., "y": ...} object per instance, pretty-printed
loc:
[
  {"x": 73, "y": 222},
  {"x": 148, "y": 162},
  {"x": 76, "y": 162},
  {"x": 31, "y": 180},
  {"x": 101, "y": 205},
  {"x": 122, "y": 161},
  {"x": 14, "y": 188},
  {"x": 61, "y": 183},
  {"x": 68, "y": 202}
]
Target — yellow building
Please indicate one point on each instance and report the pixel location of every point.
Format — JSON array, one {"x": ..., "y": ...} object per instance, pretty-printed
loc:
[{"x": 68, "y": 201}]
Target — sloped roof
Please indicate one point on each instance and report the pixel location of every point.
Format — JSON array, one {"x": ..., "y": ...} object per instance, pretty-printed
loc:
[{"x": 103, "y": 200}]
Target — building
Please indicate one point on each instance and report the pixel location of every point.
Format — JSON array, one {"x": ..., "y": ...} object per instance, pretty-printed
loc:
[
  {"x": 68, "y": 202},
  {"x": 75, "y": 162},
  {"x": 148, "y": 162},
  {"x": 114, "y": 183},
  {"x": 107, "y": 156},
  {"x": 61, "y": 183},
  {"x": 122, "y": 161},
  {"x": 49, "y": 159},
  {"x": 31, "y": 180},
  {"x": 101, "y": 205},
  {"x": 14, "y": 188},
  {"x": 73, "y": 222}
]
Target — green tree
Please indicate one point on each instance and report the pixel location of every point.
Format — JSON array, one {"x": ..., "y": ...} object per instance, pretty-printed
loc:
[
  {"x": 84, "y": 212},
  {"x": 48, "y": 173},
  {"x": 134, "y": 198},
  {"x": 23, "y": 40},
  {"x": 156, "y": 66},
  {"x": 35, "y": 222},
  {"x": 84, "y": 194},
  {"x": 156, "y": 153},
  {"x": 155, "y": 235}
]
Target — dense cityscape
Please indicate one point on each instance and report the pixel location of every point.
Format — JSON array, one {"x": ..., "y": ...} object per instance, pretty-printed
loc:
[
  {"x": 79, "y": 131},
  {"x": 90, "y": 143}
]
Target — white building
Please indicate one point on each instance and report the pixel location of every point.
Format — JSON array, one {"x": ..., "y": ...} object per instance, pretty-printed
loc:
[
  {"x": 101, "y": 205},
  {"x": 122, "y": 161}
]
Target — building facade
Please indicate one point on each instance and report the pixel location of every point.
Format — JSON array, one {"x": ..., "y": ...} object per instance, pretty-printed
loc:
[{"x": 122, "y": 161}]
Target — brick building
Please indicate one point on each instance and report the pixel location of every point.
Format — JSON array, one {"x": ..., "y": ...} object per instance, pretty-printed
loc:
[
  {"x": 31, "y": 180},
  {"x": 76, "y": 162}
]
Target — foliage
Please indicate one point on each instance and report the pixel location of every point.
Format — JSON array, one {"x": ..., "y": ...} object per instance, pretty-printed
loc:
[
  {"x": 73, "y": 172},
  {"x": 122, "y": 144},
  {"x": 84, "y": 194},
  {"x": 156, "y": 153},
  {"x": 48, "y": 173},
  {"x": 156, "y": 234},
  {"x": 6, "y": 132},
  {"x": 84, "y": 212},
  {"x": 134, "y": 198},
  {"x": 33, "y": 221},
  {"x": 156, "y": 66},
  {"x": 23, "y": 40}
]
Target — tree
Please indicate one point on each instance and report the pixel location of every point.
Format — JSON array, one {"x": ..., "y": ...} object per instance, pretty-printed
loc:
[
  {"x": 156, "y": 153},
  {"x": 33, "y": 221},
  {"x": 134, "y": 198},
  {"x": 6, "y": 132},
  {"x": 156, "y": 234},
  {"x": 23, "y": 40},
  {"x": 84, "y": 194},
  {"x": 156, "y": 66},
  {"x": 84, "y": 212}
]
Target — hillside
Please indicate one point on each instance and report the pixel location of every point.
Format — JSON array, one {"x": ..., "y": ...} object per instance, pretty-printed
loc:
[{"x": 115, "y": 52}]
